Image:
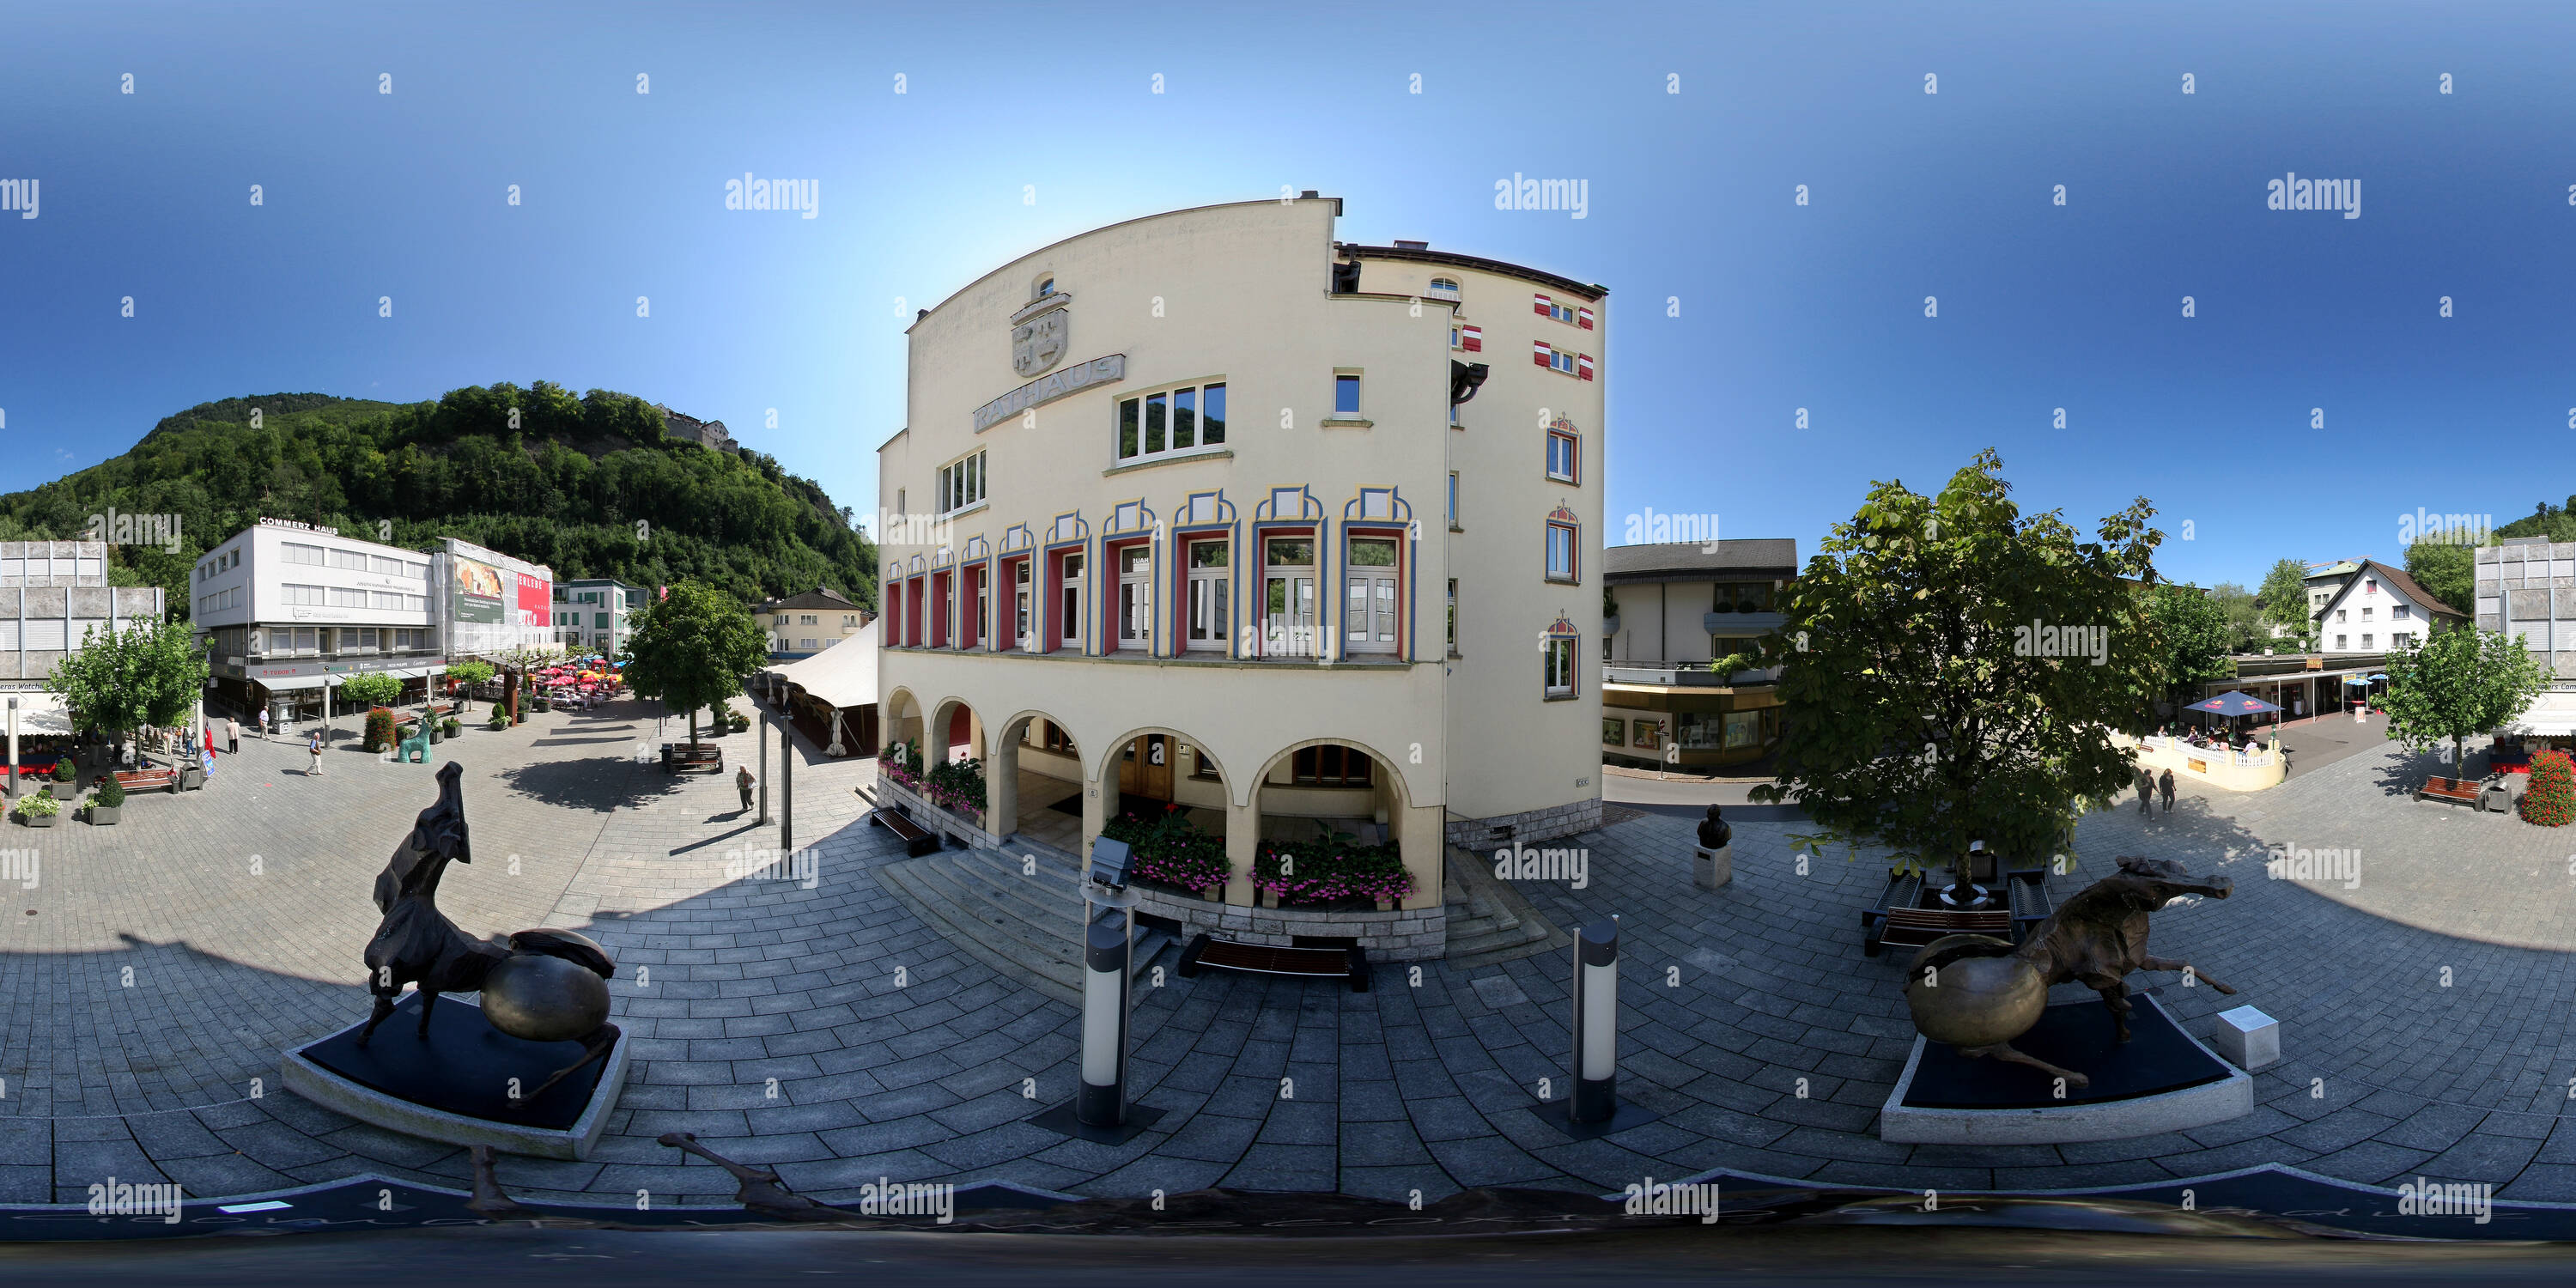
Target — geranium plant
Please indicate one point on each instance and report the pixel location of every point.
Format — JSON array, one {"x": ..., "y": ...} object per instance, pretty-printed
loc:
[{"x": 1331, "y": 868}]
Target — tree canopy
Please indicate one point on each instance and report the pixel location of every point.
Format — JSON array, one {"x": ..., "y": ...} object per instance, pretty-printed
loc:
[
  {"x": 2447, "y": 569},
  {"x": 586, "y": 485},
  {"x": 1954, "y": 671},
  {"x": 693, "y": 648},
  {"x": 2282, "y": 600},
  {"x": 2460, "y": 682},
  {"x": 150, "y": 673},
  {"x": 2194, "y": 641}
]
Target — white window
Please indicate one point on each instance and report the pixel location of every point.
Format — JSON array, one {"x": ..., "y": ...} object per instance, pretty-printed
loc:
[
  {"x": 2365, "y": 613},
  {"x": 417, "y": 604},
  {"x": 2343, "y": 614},
  {"x": 1288, "y": 597},
  {"x": 1174, "y": 420},
  {"x": 2399, "y": 612},
  {"x": 1560, "y": 666},
  {"x": 300, "y": 596},
  {"x": 1369, "y": 603},
  {"x": 849, "y": 621},
  {"x": 385, "y": 599},
  {"x": 353, "y": 560},
  {"x": 1346, "y": 394},
  {"x": 1564, "y": 456},
  {"x": 1453, "y": 498},
  {"x": 1561, "y": 360},
  {"x": 1070, "y": 589},
  {"x": 960, "y": 485},
  {"x": 1021, "y": 602},
  {"x": 1209, "y": 600},
  {"x": 342, "y": 597},
  {"x": 2365, "y": 640},
  {"x": 1560, "y": 552},
  {"x": 294, "y": 553},
  {"x": 409, "y": 569},
  {"x": 1443, "y": 288},
  {"x": 387, "y": 566},
  {"x": 2340, "y": 642},
  {"x": 1135, "y": 597}
]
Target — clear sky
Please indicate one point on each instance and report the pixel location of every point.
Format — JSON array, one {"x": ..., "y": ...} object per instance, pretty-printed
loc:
[{"x": 1022, "y": 124}]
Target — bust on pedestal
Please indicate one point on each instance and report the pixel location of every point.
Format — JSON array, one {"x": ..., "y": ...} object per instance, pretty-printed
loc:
[{"x": 1714, "y": 862}]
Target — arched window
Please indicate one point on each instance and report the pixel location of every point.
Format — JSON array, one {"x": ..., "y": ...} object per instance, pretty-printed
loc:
[
  {"x": 1444, "y": 288},
  {"x": 1046, "y": 287}
]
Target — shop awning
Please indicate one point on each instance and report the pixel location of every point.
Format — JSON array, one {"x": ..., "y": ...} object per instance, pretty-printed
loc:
[{"x": 2551, "y": 715}]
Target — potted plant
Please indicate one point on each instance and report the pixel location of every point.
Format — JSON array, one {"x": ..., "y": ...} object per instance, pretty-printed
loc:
[
  {"x": 738, "y": 720},
  {"x": 63, "y": 771},
  {"x": 449, "y": 726},
  {"x": 107, "y": 803},
  {"x": 40, "y": 809}
]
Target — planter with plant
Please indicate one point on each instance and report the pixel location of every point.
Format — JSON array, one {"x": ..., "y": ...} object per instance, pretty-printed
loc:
[
  {"x": 740, "y": 722},
  {"x": 40, "y": 809},
  {"x": 1330, "y": 870},
  {"x": 450, "y": 727},
  {"x": 63, "y": 772},
  {"x": 900, "y": 763},
  {"x": 2551, "y": 799},
  {"x": 1167, "y": 851},
  {"x": 957, "y": 786},
  {"x": 108, "y": 803},
  {"x": 381, "y": 730}
]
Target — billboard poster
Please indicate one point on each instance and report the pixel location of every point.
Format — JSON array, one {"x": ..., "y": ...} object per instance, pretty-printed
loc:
[
  {"x": 477, "y": 590},
  {"x": 536, "y": 601}
]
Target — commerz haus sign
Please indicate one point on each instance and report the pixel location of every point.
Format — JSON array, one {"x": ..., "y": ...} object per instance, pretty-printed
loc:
[{"x": 1048, "y": 388}]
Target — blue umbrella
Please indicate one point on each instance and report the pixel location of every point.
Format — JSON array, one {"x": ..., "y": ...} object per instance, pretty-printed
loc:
[{"x": 2233, "y": 703}]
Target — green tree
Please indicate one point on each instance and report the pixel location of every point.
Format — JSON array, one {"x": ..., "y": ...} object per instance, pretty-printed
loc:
[
  {"x": 2459, "y": 682},
  {"x": 2246, "y": 632},
  {"x": 693, "y": 648},
  {"x": 370, "y": 689},
  {"x": 2283, "y": 602},
  {"x": 470, "y": 673},
  {"x": 2448, "y": 570},
  {"x": 150, "y": 673},
  {"x": 1941, "y": 676},
  {"x": 2192, "y": 640}
]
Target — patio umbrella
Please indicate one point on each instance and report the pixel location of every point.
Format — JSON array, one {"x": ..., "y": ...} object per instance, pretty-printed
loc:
[{"x": 2234, "y": 703}]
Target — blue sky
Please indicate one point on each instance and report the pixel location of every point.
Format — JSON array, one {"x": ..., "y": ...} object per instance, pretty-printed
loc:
[{"x": 370, "y": 195}]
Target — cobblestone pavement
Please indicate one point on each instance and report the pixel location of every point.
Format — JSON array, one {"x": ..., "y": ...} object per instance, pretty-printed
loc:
[{"x": 2433, "y": 1045}]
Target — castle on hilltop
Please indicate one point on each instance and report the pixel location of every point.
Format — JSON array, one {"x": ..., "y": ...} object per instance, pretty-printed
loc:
[{"x": 704, "y": 433}]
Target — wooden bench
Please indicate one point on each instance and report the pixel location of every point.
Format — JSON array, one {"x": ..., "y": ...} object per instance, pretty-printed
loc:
[
  {"x": 1264, "y": 959},
  {"x": 917, "y": 840},
  {"x": 2458, "y": 791},
  {"x": 136, "y": 780},
  {"x": 1897, "y": 919},
  {"x": 693, "y": 755}
]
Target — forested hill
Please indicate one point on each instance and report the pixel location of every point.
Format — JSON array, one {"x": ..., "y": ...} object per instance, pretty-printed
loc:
[{"x": 567, "y": 487}]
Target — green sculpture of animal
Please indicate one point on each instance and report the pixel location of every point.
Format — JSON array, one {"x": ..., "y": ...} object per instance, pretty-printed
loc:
[{"x": 415, "y": 747}]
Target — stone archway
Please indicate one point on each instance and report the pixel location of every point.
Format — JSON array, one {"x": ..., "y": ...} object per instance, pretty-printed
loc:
[
  {"x": 1034, "y": 773},
  {"x": 1328, "y": 785}
]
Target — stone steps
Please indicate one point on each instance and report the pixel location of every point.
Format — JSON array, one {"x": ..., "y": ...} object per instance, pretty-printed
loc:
[
  {"x": 1024, "y": 924},
  {"x": 1489, "y": 922}
]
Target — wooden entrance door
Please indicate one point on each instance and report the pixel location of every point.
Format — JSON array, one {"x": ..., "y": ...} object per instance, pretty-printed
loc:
[{"x": 1146, "y": 769}]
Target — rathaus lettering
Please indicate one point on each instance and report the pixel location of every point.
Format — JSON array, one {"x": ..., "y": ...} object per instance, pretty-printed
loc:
[{"x": 1073, "y": 379}]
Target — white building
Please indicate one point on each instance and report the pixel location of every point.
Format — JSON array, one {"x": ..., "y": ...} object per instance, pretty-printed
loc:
[
  {"x": 594, "y": 614},
  {"x": 490, "y": 604},
  {"x": 1221, "y": 514},
  {"x": 2381, "y": 609},
  {"x": 52, "y": 594},
  {"x": 288, "y": 608}
]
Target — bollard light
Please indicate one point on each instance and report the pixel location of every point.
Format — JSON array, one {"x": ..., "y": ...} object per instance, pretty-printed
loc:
[
  {"x": 1594, "y": 1109},
  {"x": 1099, "y": 1111}
]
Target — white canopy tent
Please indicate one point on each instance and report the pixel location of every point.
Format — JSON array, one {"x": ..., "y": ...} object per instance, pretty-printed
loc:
[
  {"x": 2551, "y": 715},
  {"x": 844, "y": 678}
]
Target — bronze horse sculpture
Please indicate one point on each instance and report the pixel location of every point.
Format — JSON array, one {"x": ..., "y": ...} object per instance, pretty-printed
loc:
[
  {"x": 1978, "y": 993},
  {"x": 540, "y": 985}
]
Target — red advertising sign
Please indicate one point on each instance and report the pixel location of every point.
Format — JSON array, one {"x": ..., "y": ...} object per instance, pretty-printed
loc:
[{"x": 536, "y": 600}]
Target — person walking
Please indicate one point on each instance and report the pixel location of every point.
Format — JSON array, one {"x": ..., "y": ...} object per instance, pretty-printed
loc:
[
  {"x": 313, "y": 748},
  {"x": 2164, "y": 788},
  {"x": 742, "y": 783},
  {"x": 232, "y": 736},
  {"x": 2146, "y": 791}
]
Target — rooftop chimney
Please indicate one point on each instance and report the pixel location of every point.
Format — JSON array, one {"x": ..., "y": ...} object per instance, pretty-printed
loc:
[
  {"x": 1310, "y": 194},
  {"x": 1406, "y": 245}
]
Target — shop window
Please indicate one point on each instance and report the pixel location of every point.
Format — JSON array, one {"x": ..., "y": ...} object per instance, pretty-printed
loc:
[
  {"x": 1650, "y": 733},
  {"x": 1614, "y": 732}
]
